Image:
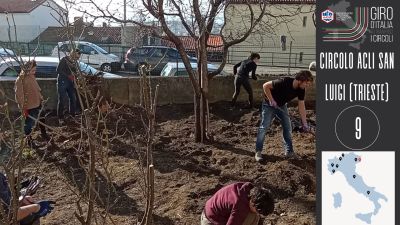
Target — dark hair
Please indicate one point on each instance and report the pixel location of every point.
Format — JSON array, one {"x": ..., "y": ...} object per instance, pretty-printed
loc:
[
  {"x": 254, "y": 56},
  {"x": 304, "y": 75},
  {"x": 30, "y": 64},
  {"x": 77, "y": 51},
  {"x": 262, "y": 200}
]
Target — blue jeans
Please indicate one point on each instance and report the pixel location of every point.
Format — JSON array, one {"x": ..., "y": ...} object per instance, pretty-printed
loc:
[
  {"x": 65, "y": 88},
  {"x": 29, "y": 122},
  {"x": 267, "y": 114}
]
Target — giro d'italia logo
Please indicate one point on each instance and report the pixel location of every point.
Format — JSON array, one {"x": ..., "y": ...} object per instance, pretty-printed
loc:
[
  {"x": 346, "y": 33},
  {"x": 327, "y": 16}
]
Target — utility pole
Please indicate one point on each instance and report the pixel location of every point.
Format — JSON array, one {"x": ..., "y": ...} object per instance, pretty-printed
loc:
[
  {"x": 123, "y": 33},
  {"x": 124, "y": 12}
]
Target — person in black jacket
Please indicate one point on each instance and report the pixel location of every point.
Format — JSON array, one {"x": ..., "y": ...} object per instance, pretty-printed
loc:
[
  {"x": 66, "y": 70},
  {"x": 277, "y": 93},
  {"x": 242, "y": 77}
]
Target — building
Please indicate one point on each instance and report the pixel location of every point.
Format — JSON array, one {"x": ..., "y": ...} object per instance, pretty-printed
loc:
[
  {"x": 31, "y": 18},
  {"x": 215, "y": 51},
  {"x": 286, "y": 22}
]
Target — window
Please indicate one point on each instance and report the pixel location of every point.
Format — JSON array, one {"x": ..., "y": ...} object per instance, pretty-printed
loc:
[
  {"x": 158, "y": 52},
  {"x": 11, "y": 72},
  {"x": 172, "y": 53},
  {"x": 304, "y": 21},
  {"x": 99, "y": 49},
  {"x": 64, "y": 48},
  {"x": 141, "y": 51},
  {"x": 86, "y": 49},
  {"x": 283, "y": 42}
]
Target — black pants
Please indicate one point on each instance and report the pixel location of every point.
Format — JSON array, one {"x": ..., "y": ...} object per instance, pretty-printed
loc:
[
  {"x": 29, "y": 122},
  {"x": 30, "y": 220},
  {"x": 239, "y": 81}
]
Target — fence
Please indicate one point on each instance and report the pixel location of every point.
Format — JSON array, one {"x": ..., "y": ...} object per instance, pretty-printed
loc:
[
  {"x": 295, "y": 56},
  {"x": 45, "y": 49}
]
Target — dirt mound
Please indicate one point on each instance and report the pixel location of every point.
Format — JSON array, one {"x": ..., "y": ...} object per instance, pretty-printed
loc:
[{"x": 187, "y": 173}]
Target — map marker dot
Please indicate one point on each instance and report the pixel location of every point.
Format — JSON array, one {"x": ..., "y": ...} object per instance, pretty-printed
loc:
[
  {"x": 368, "y": 192},
  {"x": 332, "y": 164},
  {"x": 355, "y": 159},
  {"x": 337, "y": 165},
  {"x": 333, "y": 171},
  {"x": 354, "y": 176},
  {"x": 342, "y": 154},
  {"x": 340, "y": 158}
]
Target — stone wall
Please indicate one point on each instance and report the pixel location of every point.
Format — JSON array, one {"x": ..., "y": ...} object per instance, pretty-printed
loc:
[{"x": 172, "y": 90}]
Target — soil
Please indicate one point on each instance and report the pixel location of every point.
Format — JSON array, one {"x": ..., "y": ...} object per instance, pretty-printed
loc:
[{"x": 187, "y": 173}]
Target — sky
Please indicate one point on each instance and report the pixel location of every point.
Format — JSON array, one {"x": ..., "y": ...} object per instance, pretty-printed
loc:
[{"x": 115, "y": 7}]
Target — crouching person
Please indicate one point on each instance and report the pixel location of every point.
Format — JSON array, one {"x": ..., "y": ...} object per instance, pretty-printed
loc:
[
  {"x": 238, "y": 204},
  {"x": 29, "y": 211}
]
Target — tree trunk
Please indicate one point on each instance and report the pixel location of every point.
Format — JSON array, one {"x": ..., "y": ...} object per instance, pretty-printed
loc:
[
  {"x": 197, "y": 129},
  {"x": 201, "y": 103}
]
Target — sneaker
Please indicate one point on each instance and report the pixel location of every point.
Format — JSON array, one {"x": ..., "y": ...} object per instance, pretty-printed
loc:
[
  {"x": 291, "y": 155},
  {"x": 258, "y": 157}
]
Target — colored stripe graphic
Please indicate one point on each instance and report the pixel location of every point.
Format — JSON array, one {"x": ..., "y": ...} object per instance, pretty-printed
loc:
[{"x": 352, "y": 34}]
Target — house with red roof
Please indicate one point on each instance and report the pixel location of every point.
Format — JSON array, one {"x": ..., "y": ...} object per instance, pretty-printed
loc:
[
  {"x": 214, "y": 50},
  {"x": 31, "y": 18}
]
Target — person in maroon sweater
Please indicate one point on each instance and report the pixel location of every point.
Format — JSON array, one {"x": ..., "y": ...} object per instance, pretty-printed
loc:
[{"x": 237, "y": 204}]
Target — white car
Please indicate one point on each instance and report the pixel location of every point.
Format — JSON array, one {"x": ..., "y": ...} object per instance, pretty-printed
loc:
[
  {"x": 91, "y": 54},
  {"x": 46, "y": 68},
  {"x": 6, "y": 52},
  {"x": 173, "y": 69}
]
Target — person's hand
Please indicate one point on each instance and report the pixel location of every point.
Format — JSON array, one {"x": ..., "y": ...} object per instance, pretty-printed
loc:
[
  {"x": 273, "y": 103},
  {"x": 71, "y": 77},
  {"x": 254, "y": 77},
  {"x": 45, "y": 208},
  {"x": 305, "y": 128},
  {"x": 26, "y": 200},
  {"x": 30, "y": 186},
  {"x": 25, "y": 112}
]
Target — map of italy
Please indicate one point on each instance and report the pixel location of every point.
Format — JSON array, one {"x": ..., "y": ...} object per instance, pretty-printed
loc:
[{"x": 346, "y": 164}]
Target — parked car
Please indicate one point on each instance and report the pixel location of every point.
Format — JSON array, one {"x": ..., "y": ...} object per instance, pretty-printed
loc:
[
  {"x": 90, "y": 54},
  {"x": 155, "y": 56},
  {"x": 4, "y": 52},
  {"x": 46, "y": 68},
  {"x": 178, "y": 69}
]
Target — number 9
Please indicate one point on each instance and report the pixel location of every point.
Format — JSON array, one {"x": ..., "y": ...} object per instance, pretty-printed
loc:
[{"x": 358, "y": 128}]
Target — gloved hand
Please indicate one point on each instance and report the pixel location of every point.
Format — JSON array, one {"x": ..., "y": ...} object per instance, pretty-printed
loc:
[
  {"x": 25, "y": 112},
  {"x": 305, "y": 128},
  {"x": 273, "y": 103},
  {"x": 71, "y": 77},
  {"x": 30, "y": 186},
  {"x": 254, "y": 77},
  {"x": 45, "y": 208}
]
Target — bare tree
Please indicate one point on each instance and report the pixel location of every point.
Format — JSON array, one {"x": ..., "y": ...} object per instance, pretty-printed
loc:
[{"x": 198, "y": 18}]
